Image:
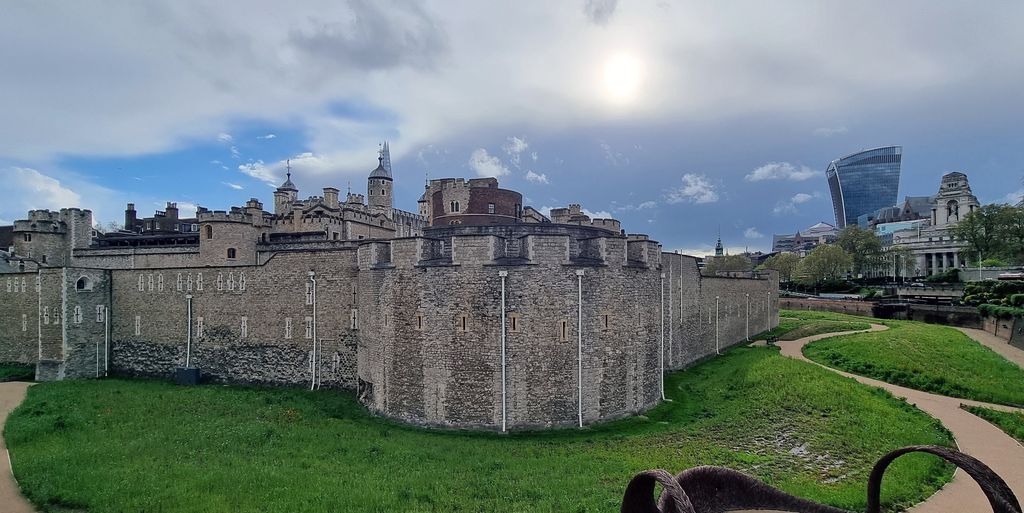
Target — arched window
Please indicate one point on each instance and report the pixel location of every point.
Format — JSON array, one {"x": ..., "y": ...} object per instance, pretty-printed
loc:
[
  {"x": 83, "y": 284},
  {"x": 231, "y": 253},
  {"x": 953, "y": 210},
  {"x": 208, "y": 232}
]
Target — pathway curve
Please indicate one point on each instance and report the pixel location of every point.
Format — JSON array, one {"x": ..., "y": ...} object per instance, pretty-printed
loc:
[
  {"x": 11, "y": 500},
  {"x": 974, "y": 436}
]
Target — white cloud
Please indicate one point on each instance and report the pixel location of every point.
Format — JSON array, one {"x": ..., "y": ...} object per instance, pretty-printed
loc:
[
  {"x": 612, "y": 157},
  {"x": 28, "y": 189},
  {"x": 600, "y": 214},
  {"x": 789, "y": 206},
  {"x": 4, "y": 222},
  {"x": 513, "y": 147},
  {"x": 647, "y": 204},
  {"x": 781, "y": 171},
  {"x": 486, "y": 165},
  {"x": 268, "y": 136},
  {"x": 215, "y": 161},
  {"x": 752, "y": 233},
  {"x": 534, "y": 156},
  {"x": 695, "y": 189},
  {"x": 225, "y": 137},
  {"x": 235, "y": 154},
  {"x": 260, "y": 172},
  {"x": 536, "y": 178},
  {"x": 829, "y": 132},
  {"x": 1014, "y": 197},
  {"x": 185, "y": 208},
  {"x": 234, "y": 186}
]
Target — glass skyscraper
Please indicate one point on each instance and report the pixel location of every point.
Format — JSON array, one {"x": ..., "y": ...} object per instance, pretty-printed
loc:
[{"x": 864, "y": 182}]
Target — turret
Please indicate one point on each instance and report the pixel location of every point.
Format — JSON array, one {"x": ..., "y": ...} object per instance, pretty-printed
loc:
[
  {"x": 130, "y": 217},
  {"x": 285, "y": 195},
  {"x": 378, "y": 188}
]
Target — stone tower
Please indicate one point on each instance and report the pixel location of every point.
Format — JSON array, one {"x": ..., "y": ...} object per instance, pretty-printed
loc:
[
  {"x": 953, "y": 201},
  {"x": 379, "y": 188},
  {"x": 285, "y": 195},
  {"x": 718, "y": 247}
]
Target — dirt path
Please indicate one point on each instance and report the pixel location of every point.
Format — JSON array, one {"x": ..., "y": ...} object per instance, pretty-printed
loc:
[
  {"x": 974, "y": 436},
  {"x": 11, "y": 501}
]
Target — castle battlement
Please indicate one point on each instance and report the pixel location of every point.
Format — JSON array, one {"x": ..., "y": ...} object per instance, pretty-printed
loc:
[{"x": 220, "y": 216}]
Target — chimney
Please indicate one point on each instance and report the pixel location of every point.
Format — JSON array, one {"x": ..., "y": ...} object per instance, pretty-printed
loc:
[
  {"x": 130, "y": 217},
  {"x": 296, "y": 212},
  {"x": 172, "y": 211},
  {"x": 331, "y": 197}
]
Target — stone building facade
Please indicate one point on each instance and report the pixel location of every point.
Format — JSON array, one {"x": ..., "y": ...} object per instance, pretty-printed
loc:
[{"x": 510, "y": 326}]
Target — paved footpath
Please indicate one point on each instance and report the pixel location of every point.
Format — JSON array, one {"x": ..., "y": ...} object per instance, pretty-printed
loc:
[
  {"x": 974, "y": 436},
  {"x": 11, "y": 501}
]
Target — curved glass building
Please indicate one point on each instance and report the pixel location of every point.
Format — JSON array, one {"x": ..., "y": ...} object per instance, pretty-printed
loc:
[{"x": 864, "y": 182}]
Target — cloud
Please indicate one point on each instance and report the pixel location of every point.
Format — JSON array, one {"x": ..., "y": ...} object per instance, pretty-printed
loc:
[
  {"x": 829, "y": 132},
  {"x": 599, "y": 214},
  {"x": 513, "y": 147},
  {"x": 536, "y": 178},
  {"x": 215, "y": 161},
  {"x": 225, "y": 137},
  {"x": 268, "y": 136},
  {"x": 533, "y": 155},
  {"x": 234, "y": 186},
  {"x": 185, "y": 208},
  {"x": 599, "y": 11},
  {"x": 647, "y": 204},
  {"x": 752, "y": 233},
  {"x": 28, "y": 189},
  {"x": 1014, "y": 197},
  {"x": 259, "y": 171},
  {"x": 612, "y": 157},
  {"x": 486, "y": 165},
  {"x": 235, "y": 154},
  {"x": 695, "y": 189},
  {"x": 781, "y": 171},
  {"x": 789, "y": 206},
  {"x": 4, "y": 222},
  {"x": 631, "y": 207}
]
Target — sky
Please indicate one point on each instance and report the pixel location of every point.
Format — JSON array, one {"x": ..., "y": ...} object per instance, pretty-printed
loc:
[{"x": 682, "y": 119}]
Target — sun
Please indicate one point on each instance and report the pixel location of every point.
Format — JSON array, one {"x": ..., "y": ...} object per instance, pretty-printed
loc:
[{"x": 622, "y": 77}]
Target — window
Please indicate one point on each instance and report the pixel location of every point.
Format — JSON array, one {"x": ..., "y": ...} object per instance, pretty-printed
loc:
[
  {"x": 241, "y": 281},
  {"x": 419, "y": 322},
  {"x": 309, "y": 293},
  {"x": 56, "y": 316},
  {"x": 23, "y": 284},
  {"x": 220, "y": 281},
  {"x": 28, "y": 237},
  {"x": 44, "y": 259},
  {"x": 78, "y": 314},
  {"x": 208, "y": 232},
  {"x": 83, "y": 284},
  {"x": 513, "y": 322},
  {"x": 490, "y": 208},
  {"x": 287, "y": 327},
  {"x": 309, "y": 327},
  {"x": 24, "y": 322},
  {"x": 179, "y": 285},
  {"x": 46, "y": 315},
  {"x": 138, "y": 325},
  {"x": 462, "y": 323},
  {"x": 563, "y": 330},
  {"x": 354, "y": 319},
  {"x": 199, "y": 326},
  {"x": 99, "y": 313},
  {"x": 189, "y": 283},
  {"x": 231, "y": 281},
  {"x": 160, "y": 282},
  {"x": 8, "y": 284},
  {"x": 199, "y": 281},
  {"x": 605, "y": 322},
  {"x": 382, "y": 193},
  {"x": 149, "y": 281},
  {"x": 231, "y": 253},
  {"x": 142, "y": 283},
  {"x": 385, "y": 320},
  {"x": 244, "y": 328}
]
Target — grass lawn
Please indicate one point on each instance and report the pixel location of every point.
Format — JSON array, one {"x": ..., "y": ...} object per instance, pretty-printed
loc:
[
  {"x": 1010, "y": 422},
  {"x": 925, "y": 357},
  {"x": 120, "y": 446},
  {"x": 794, "y": 324},
  {"x": 17, "y": 372}
]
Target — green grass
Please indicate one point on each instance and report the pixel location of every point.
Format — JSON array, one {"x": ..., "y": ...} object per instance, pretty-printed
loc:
[
  {"x": 925, "y": 357},
  {"x": 17, "y": 372},
  {"x": 794, "y": 324},
  {"x": 1010, "y": 422},
  {"x": 130, "y": 446}
]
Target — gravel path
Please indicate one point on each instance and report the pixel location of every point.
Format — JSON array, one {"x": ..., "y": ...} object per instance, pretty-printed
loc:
[{"x": 11, "y": 500}]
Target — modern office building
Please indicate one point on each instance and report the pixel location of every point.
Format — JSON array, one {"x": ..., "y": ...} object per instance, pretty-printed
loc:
[{"x": 864, "y": 182}]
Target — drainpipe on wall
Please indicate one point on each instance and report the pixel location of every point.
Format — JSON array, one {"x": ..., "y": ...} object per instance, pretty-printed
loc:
[
  {"x": 314, "y": 367},
  {"x": 661, "y": 352},
  {"x": 717, "y": 345},
  {"x": 503, "y": 274},
  {"x": 188, "y": 342},
  {"x": 579, "y": 346},
  {"x": 106, "y": 341},
  {"x": 670, "y": 317},
  {"x": 748, "y": 317},
  {"x": 768, "y": 313}
]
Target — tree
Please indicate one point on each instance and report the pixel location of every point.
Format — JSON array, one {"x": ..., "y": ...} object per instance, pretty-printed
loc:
[
  {"x": 899, "y": 261},
  {"x": 992, "y": 231},
  {"x": 863, "y": 246},
  {"x": 784, "y": 263},
  {"x": 828, "y": 262},
  {"x": 728, "y": 263}
]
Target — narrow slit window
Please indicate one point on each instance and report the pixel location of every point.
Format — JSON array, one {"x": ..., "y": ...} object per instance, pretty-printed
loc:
[
  {"x": 46, "y": 315},
  {"x": 24, "y": 322},
  {"x": 189, "y": 283},
  {"x": 180, "y": 283},
  {"x": 99, "y": 313},
  {"x": 244, "y": 328},
  {"x": 605, "y": 321},
  {"x": 199, "y": 326},
  {"x": 220, "y": 281},
  {"x": 419, "y": 322},
  {"x": 563, "y": 331},
  {"x": 138, "y": 325},
  {"x": 199, "y": 281},
  {"x": 287, "y": 327},
  {"x": 354, "y": 319},
  {"x": 309, "y": 327},
  {"x": 78, "y": 314},
  {"x": 513, "y": 323}
]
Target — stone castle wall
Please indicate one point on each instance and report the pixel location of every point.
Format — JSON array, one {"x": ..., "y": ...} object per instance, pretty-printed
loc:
[{"x": 413, "y": 324}]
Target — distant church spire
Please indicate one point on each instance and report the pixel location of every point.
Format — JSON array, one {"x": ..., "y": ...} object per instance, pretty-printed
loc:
[
  {"x": 385, "y": 155},
  {"x": 718, "y": 245}
]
